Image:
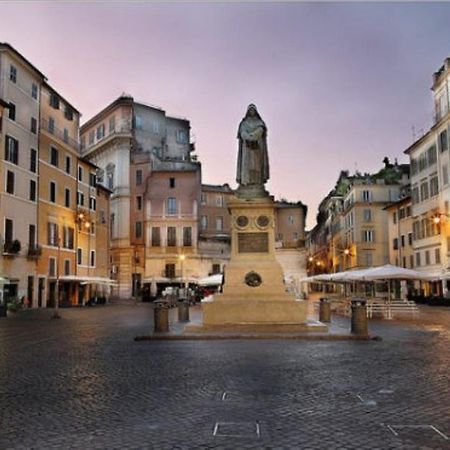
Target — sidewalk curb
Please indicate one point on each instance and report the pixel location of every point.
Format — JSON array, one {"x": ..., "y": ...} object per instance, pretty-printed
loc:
[{"x": 219, "y": 337}]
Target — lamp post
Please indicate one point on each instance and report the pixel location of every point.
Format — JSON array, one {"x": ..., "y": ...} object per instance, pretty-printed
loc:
[{"x": 182, "y": 257}]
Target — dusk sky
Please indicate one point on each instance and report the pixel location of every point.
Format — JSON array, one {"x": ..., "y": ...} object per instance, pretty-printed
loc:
[{"x": 339, "y": 85}]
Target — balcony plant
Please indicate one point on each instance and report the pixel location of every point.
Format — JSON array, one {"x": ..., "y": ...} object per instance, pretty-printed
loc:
[{"x": 12, "y": 247}]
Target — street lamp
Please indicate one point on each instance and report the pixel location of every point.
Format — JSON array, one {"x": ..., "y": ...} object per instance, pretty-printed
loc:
[{"x": 182, "y": 257}]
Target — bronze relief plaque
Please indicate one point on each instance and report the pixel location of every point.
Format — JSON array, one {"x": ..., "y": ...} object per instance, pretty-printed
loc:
[
  {"x": 242, "y": 221},
  {"x": 253, "y": 242},
  {"x": 253, "y": 279},
  {"x": 263, "y": 221}
]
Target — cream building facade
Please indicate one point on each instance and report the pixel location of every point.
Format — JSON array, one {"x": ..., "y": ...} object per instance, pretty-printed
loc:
[{"x": 20, "y": 84}]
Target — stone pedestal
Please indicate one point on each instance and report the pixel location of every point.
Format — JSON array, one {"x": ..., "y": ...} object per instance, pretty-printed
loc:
[{"x": 254, "y": 294}]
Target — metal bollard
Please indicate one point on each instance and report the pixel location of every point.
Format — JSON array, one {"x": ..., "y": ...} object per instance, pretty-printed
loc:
[
  {"x": 324, "y": 310},
  {"x": 161, "y": 317},
  {"x": 183, "y": 311},
  {"x": 359, "y": 318}
]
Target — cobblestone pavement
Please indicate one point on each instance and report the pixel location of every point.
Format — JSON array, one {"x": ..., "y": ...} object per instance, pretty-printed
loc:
[{"x": 82, "y": 382}]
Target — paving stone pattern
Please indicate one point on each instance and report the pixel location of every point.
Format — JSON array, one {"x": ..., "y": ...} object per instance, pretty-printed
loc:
[{"x": 83, "y": 383}]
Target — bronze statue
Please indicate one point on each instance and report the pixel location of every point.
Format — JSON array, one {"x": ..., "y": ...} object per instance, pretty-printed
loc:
[{"x": 253, "y": 159}]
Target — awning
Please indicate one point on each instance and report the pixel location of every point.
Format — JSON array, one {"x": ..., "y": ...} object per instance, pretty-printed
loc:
[
  {"x": 88, "y": 280},
  {"x": 212, "y": 280}
]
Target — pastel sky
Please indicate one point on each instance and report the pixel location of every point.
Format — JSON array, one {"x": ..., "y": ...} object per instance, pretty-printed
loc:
[{"x": 339, "y": 85}]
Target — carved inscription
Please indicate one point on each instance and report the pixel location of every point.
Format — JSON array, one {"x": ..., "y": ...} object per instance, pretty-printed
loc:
[{"x": 253, "y": 242}]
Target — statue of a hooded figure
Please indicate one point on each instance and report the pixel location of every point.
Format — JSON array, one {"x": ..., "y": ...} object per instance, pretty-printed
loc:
[{"x": 253, "y": 159}]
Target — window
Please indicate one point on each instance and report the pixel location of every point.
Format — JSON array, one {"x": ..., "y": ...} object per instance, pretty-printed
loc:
[
  {"x": 181, "y": 136},
  {"x": 171, "y": 237},
  {"x": 434, "y": 186},
  {"x": 80, "y": 198},
  {"x": 66, "y": 135},
  {"x": 9, "y": 231},
  {"x": 52, "y": 191},
  {"x": 33, "y": 160},
  {"x": 138, "y": 177},
  {"x": 170, "y": 271},
  {"x": 100, "y": 131},
  {"x": 10, "y": 181},
  {"x": 443, "y": 142},
  {"x": 68, "y": 235},
  {"x": 204, "y": 222},
  {"x": 427, "y": 257},
  {"x": 67, "y": 267},
  {"x": 80, "y": 173},
  {"x": 32, "y": 190},
  {"x": 216, "y": 269},
  {"x": 79, "y": 256},
  {"x": 432, "y": 157},
  {"x": 68, "y": 113},
  {"x": 68, "y": 164},
  {"x": 112, "y": 124},
  {"x": 83, "y": 143},
  {"x": 415, "y": 195},
  {"x": 92, "y": 179},
  {"x": 219, "y": 201},
  {"x": 31, "y": 236},
  {"x": 51, "y": 125},
  {"x": 369, "y": 259},
  {"x": 171, "y": 205},
  {"x": 92, "y": 258},
  {"x": 52, "y": 267},
  {"x": 445, "y": 174},
  {"x": 139, "y": 202},
  {"x": 291, "y": 220},
  {"x": 410, "y": 238},
  {"x": 187, "y": 236},
  {"x": 54, "y": 156},
  {"x": 366, "y": 196},
  {"x": 156, "y": 237},
  {"x": 52, "y": 234},
  {"x": 91, "y": 136},
  {"x": 437, "y": 255},
  {"x": 203, "y": 198},
  {"x": 11, "y": 150},
  {"x": 110, "y": 176},
  {"x": 33, "y": 125},
  {"x": 424, "y": 193},
  {"x": 92, "y": 227},
  {"x": 34, "y": 91},
  {"x": 54, "y": 101},
  {"x": 395, "y": 244},
  {"x": 171, "y": 182},
  {"x": 219, "y": 223},
  {"x": 368, "y": 215},
  {"x": 92, "y": 203},
  {"x": 411, "y": 261},
  {"x": 138, "y": 229},
  {"x": 138, "y": 122},
  {"x": 12, "y": 111},
  {"x": 12, "y": 73},
  {"x": 67, "y": 198},
  {"x": 368, "y": 236},
  {"x": 155, "y": 126}
]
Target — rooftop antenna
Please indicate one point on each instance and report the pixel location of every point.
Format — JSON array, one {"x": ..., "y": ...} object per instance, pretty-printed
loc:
[
  {"x": 413, "y": 131},
  {"x": 356, "y": 167}
]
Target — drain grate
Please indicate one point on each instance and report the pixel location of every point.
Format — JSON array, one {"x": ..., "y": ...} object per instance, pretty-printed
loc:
[
  {"x": 415, "y": 431},
  {"x": 237, "y": 429}
]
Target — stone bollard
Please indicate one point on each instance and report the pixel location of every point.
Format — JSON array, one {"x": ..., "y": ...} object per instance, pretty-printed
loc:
[
  {"x": 161, "y": 317},
  {"x": 359, "y": 318},
  {"x": 183, "y": 311},
  {"x": 324, "y": 310}
]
